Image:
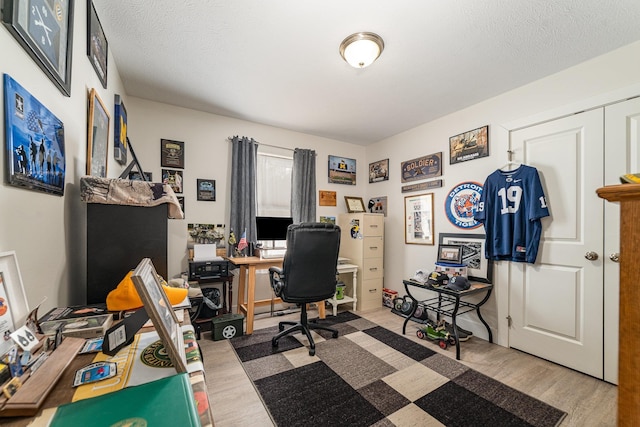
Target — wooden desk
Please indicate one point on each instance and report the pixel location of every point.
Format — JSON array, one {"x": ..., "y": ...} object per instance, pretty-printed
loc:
[{"x": 247, "y": 281}]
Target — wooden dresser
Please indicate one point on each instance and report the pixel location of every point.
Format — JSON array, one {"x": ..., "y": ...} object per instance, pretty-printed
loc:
[{"x": 362, "y": 241}]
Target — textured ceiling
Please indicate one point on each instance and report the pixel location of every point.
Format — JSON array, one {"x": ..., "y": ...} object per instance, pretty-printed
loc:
[{"x": 276, "y": 62}]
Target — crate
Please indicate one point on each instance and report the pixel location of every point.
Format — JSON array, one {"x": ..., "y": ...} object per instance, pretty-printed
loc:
[
  {"x": 388, "y": 295},
  {"x": 227, "y": 326}
]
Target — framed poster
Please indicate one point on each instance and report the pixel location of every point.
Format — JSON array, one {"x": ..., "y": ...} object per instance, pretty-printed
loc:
[
  {"x": 378, "y": 205},
  {"x": 450, "y": 253},
  {"x": 181, "y": 202},
  {"x": 160, "y": 312},
  {"x": 98, "y": 133},
  {"x": 207, "y": 190},
  {"x": 379, "y": 171},
  {"x": 171, "y": 154},
  {"x": 422, "y": 167},
  {"x": 418, "y": 219},
  {"x": 34, "y": 142},
  {"x": 45, "y": 30},
  {"x": 173, "y": 178},
  {"x": 97, "y": 45},
  {"x": 327, "y": 198},
  {"x": 342, "y": 170},
  {"x": 119, "y": 131},
  {"x": 479, "y": 268},
  {"x": 469, "y": 145},
  {"x": 354, "y": 204}
]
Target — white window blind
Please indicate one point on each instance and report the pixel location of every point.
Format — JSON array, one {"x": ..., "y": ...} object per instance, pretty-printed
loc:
[{"x": 274, "y": 184}]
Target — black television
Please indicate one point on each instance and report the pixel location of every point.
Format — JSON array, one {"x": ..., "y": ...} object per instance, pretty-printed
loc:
[{"x": 272, "y": 227}]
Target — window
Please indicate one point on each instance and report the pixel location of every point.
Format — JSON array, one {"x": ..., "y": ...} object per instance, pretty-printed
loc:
[{"x": 274, "y": 182}]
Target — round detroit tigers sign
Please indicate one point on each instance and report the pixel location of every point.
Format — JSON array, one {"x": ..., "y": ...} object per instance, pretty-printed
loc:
[{"x": 461, "y": 203}]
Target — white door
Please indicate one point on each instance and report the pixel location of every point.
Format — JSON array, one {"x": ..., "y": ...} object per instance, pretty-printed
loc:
[
  {"x": 556, "y": 305},
  {"x": 622, "y": 156}
]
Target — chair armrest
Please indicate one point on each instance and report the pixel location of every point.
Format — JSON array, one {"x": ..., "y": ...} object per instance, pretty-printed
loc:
[{"x": 276, "y": 278}]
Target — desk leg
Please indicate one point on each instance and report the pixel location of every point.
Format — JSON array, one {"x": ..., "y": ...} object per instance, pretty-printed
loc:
[
  {"x": 321, "y": 311},
  {"x": 454, "y": 314},
  {"x": 251, "y": 298},
  {"x": 486, "y": 325},
  {"x": 241, "y": 284},
  {"x": 230, "y": 293}
]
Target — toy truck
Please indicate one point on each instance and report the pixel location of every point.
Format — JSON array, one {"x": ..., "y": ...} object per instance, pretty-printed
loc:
[{"x": 436, "y": 333}]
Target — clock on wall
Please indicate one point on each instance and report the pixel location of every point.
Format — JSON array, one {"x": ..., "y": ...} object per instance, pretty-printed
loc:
[{"x": 44, "y": 29}]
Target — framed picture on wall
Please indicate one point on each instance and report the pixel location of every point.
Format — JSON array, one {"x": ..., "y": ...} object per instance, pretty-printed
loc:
[
  {"x": 418, "y": 219},
  {"x": 469, "y": 145},
  {"x": 173, "y": 178},
  {"x": 97, "y": 45},
  {"x": 119, "y": 131},
  {"x": 207, "y": 190},
  {"x": 45, "y": 30},
  {"x": 35, "y": 144},
  {"x": 342, "y": 170},
  {"x": 379, "y": 171},
  {"x": 171, "y": 154},
  {"x": 98, "y": 139}
]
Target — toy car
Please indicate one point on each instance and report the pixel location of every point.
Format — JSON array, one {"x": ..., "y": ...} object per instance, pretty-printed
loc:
[{"x": 437, "y": 333}]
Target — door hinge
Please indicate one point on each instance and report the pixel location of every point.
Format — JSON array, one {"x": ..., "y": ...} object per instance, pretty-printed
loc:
[{"x": 509, "y": 320}]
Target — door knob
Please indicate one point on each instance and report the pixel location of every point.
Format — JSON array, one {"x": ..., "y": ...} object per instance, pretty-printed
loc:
[
  {"x": 591, "y": 256},
  {"x": 615, "y": 257}
]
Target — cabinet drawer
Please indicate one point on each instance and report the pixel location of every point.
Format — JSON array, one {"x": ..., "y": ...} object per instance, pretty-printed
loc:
[
  {"x": 373, "y": 225},
  {"x": 372, "y": 268},
  {"x": 373, "y": 247},
  {"x": 371, "y": 295}
]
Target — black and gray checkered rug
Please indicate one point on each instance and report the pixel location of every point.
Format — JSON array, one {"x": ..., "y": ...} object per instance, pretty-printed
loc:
[{"x": 372, "y": 376}]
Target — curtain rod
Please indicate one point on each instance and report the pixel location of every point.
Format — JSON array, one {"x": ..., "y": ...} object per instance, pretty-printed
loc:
[{"x": 266, "y": 145}]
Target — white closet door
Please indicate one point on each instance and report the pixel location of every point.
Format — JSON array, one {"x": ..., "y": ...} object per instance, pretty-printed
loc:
[{"x": 556, "y": 305}]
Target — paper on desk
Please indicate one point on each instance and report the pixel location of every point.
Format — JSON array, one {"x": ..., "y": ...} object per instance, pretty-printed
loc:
[{"x": 204, "y": 252}]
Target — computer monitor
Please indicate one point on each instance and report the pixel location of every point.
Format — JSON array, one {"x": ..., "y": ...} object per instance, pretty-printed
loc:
[{"x": 271, "y": 228}]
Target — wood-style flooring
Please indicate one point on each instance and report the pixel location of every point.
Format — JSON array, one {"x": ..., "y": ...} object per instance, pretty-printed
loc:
[{"x": 588, "y": 401}]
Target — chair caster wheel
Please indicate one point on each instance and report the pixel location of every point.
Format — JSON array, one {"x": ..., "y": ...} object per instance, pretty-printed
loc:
[
  {"x": 335, "y": 334},
  {"x": 280, "y": 328},
  {"x": 312, "y": 352},
  {"x": 274, "y": 342}
]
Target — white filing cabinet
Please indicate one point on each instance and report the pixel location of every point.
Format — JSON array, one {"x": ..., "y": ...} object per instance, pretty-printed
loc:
[{"x": 362, "y": 241}]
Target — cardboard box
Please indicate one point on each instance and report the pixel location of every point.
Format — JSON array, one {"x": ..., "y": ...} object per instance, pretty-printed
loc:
[
  {"x": 227, "y": 326},
  {"x": 388, "y": 295}
]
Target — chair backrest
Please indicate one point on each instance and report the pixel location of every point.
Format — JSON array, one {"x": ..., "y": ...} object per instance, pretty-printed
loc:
[{"x": 310, "y": 262}]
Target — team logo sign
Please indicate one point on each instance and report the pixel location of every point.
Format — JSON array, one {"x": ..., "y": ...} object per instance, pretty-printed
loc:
[{"x": 461, "y": 204}]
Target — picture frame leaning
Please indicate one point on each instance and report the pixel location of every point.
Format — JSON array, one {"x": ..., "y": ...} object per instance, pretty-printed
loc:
[
  {"x": 98, "y": 136},
  {"x": 45, "y": 34},
  {"x": 157, "y": 305},
  {"x": 479, "y": 268}
]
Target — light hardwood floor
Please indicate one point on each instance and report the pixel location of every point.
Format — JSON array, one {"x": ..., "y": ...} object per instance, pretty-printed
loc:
[{"x": 588, "y": 401}]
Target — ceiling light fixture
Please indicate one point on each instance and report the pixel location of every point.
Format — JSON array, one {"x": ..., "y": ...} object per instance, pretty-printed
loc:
[{"x": 361, "y": 49}]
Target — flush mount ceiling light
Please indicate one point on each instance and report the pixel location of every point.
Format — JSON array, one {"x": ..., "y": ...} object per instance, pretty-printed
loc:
[{"x": 361, "y": 49}]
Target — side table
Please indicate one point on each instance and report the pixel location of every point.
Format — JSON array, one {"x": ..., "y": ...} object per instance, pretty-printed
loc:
[
  {"x": 353, "y": 299},
  {"x": 448, "y": 303}
]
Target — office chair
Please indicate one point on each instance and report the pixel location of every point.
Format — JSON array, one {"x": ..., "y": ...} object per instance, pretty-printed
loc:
[{"x": 308, "y": 274}]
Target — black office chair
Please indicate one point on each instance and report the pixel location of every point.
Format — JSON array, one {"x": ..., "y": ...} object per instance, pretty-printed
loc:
[{"x": 308, "y": 274}]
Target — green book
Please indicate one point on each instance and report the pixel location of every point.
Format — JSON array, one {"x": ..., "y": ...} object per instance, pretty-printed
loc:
[{"x": 165, "y": 402}]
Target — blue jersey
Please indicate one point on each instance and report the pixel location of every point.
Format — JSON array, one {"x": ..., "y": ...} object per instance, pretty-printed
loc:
[{"x": 510, "y": 208}]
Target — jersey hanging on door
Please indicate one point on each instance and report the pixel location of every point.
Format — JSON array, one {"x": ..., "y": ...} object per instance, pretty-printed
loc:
[{"x": 510, "y": 208}]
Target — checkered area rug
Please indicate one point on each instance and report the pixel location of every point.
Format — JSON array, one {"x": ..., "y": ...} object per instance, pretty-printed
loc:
[{"x": 370, "y": 376}]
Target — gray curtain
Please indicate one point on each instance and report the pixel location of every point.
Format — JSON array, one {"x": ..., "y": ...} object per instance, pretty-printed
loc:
[
  {"x": 303, "y": 186},
  {"x": 244, "y": 159}
]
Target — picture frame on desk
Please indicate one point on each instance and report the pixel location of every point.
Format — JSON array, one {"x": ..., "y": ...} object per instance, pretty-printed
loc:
[
  {"x": 479, "y": 268},
  {"x": 160, "y": 312},
  {"x": 13, "y": 299}
]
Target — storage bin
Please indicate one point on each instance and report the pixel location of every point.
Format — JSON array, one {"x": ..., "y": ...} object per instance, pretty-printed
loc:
[
  {"x": 452, "y": 269},
  {"x": 227, "y": 326},
  {"x": 388, "y": 295}
]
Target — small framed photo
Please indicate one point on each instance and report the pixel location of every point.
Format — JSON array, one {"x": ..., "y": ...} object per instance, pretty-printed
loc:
[
  {"x": 207, "y": 190},
  {"x": 160, "y": 312},
  {"x": 418, "y": 219},
  {"x": 451, "y": 254},
  {"x": 469, "y": 145},
  {"x": 379, "y": 171},
  {"x": 173, "y": 178},
  {"x": 354, "y": 204},
  {"x": 479, "y": 268},
  {"x": 171, "y": 154},
  {"x": 97, "y": 46},
  {"x": 98, "y": 140}
]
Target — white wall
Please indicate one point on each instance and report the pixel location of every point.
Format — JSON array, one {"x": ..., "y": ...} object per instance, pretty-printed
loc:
[
  {"x": 47, "y": 232},
  {"x": 611, "y": 77}
]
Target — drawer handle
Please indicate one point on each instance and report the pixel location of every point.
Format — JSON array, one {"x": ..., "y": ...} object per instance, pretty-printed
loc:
[
  {"x": 373, "y": 247},
  {"x": 373, "y": 226},
  {"x": 373, "y": 290},
  {"x": 373, "y": 268}
]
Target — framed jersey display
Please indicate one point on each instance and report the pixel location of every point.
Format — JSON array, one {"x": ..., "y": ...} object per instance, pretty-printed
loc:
[{"x": 44, "y": 29}]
